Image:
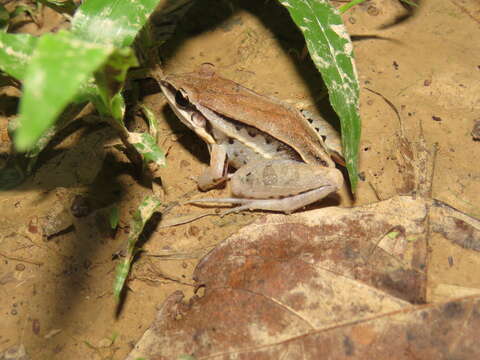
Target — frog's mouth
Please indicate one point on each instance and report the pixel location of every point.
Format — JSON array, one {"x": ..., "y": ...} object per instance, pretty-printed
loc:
[{"x": 186, "y": 111}]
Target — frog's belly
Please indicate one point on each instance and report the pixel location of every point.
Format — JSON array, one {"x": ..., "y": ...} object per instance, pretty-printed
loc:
[
  {"x": 239, "y": 154},
  {"x": 244, "y": 144}
]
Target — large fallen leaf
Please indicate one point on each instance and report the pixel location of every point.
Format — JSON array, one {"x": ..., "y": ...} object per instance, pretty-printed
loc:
[
  {"x": 439, "y": 331},
  {"x": 329, "y": 283}
]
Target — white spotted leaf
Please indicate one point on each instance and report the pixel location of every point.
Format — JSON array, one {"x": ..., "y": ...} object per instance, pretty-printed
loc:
[
  {"x": 331, "y": 50},
  {"x": 147, "y": 146},
  {"x": 112, "y": 22},
  {"x": 144, "y": 212},
  {"x": 59, "y": 65},
  {"x": 15, "y": 53}
]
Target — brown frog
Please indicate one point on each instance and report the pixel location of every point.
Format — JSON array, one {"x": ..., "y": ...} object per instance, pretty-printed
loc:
[{"x": 281, "y": 160}]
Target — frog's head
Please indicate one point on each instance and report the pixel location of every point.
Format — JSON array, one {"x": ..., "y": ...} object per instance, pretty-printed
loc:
[{"x": 182, "y": 93}]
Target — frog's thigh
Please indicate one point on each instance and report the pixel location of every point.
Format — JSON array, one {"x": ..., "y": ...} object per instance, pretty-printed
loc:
[
  {"x": 215, "y": 173},
  {"x": 267, "y": 179},
  {"x": 282, "y": 185}
]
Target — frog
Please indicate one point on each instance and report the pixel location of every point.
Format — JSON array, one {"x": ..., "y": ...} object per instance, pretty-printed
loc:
[{"x": 282, "y": 163}]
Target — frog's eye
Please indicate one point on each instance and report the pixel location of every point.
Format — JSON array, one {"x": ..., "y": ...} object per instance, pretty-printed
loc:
[{"x": 181, "y": 100}]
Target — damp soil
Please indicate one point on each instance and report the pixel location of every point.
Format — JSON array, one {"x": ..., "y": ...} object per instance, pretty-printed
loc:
[{"x": 418, "y": 73}]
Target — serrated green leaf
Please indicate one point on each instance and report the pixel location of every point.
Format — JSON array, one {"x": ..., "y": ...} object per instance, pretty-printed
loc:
[
  {"x": 119, "y": 21},
  {"x": 58, "y": 67},
  {"x": 147, "y": 146},
  {"x": 15, "y": 53},
  {"x": 144, "y": 212},
  {"x": 332, "y": 53}
]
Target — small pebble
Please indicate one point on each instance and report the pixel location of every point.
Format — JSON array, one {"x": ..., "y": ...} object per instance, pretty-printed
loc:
[
  {"x": 450, "y": 261},
  {"x": 33, "y": 225},
  {"x": 373, "y": 11},
  {"x": 36, "y": 326},
  {"x": 476, "y": 131},
  {"x": 87, "y": 264},
  {"x": 193, "y": 231},
  {"x": 184, "y": 164},
  {"x": 19, "y": 267},
  {"x": 80, "y": 206}
]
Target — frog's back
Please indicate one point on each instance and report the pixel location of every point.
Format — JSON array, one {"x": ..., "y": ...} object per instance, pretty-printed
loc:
[{"x": 269, "y": 115}]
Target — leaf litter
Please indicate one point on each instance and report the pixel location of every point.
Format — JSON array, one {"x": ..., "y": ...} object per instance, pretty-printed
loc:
[{"x": 327, "y": 283}]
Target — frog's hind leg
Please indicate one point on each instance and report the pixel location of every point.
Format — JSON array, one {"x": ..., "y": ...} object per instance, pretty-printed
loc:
[{"x": 286, "y": 204}]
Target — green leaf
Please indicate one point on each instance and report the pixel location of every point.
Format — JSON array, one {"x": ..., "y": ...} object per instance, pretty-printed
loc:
[
  {"x": 152, "y": 121},
  {"x": 30, "y": 10},
  {"x": 4, "y": 17},
  {"x": 147, "y": 146},
  {"x": 15, "y": 53},
  {"x": 409, "y": 2},
  {"x": 112, "y": 22},
  {"x": 31, "y": 155},
  {"x": 114, "y": 217},
  {"x": 121, "y": 273},
  {"x": 58, "y": 67},
  {"x": 144, "y": 212},
  {"x": 349, "y": 5},
  {"x": 110, "y": 80},
  {"x": 332, "y": 52},
  {"x": 66, "y": 6}
]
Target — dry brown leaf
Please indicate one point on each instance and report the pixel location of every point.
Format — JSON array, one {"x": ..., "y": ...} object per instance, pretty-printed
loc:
[
  {"x": 329, "y": 283},
  {"x": 232, "y": 331},
  {"x": 287, "y": 276}
]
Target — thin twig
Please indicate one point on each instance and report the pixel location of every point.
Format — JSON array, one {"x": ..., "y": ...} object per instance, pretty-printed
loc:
[{"x": 18, "y": 258}]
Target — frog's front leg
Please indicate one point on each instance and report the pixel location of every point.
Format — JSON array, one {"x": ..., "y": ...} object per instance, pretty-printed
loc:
[
  {"x": 216, "y": 172},
  {"x": 280, "y": 185}
]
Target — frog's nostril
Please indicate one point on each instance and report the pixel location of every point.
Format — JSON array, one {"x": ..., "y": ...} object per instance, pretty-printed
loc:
[{"x": 181, "y": 100}]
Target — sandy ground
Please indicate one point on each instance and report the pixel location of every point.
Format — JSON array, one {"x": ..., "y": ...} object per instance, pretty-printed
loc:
[{"x": 419, "y": 74}]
